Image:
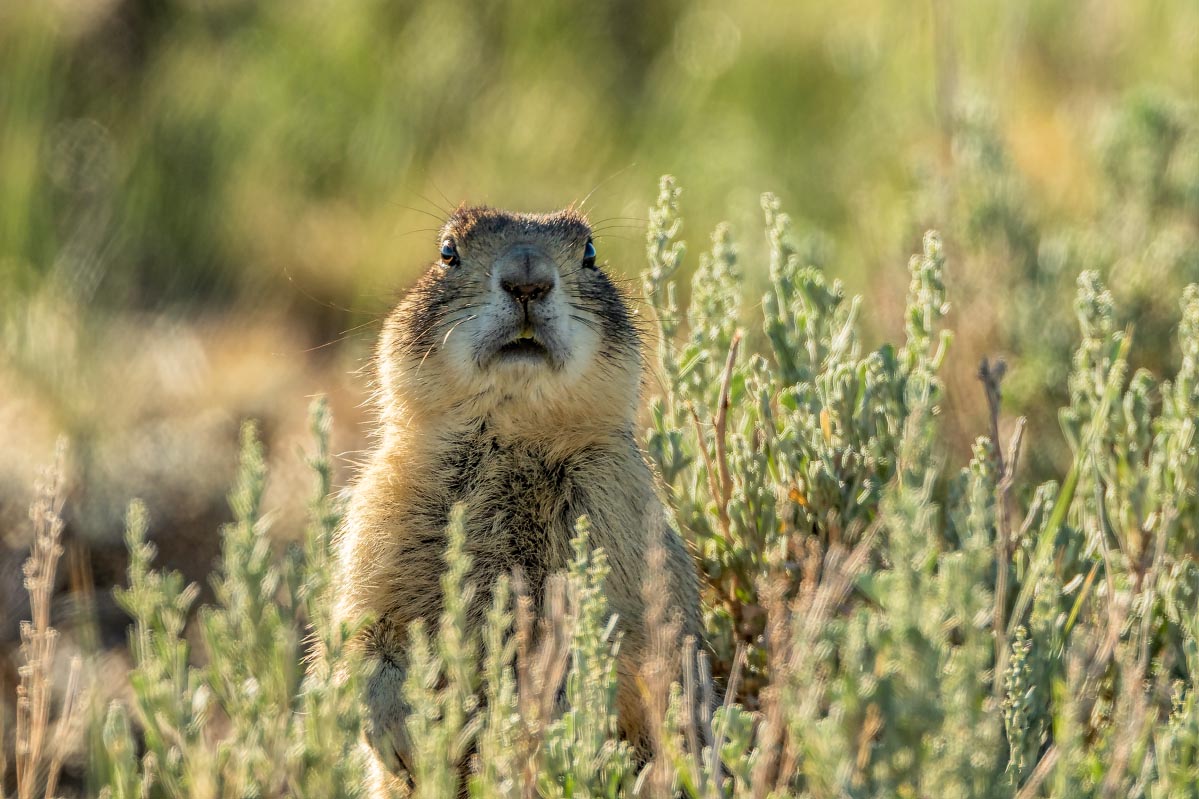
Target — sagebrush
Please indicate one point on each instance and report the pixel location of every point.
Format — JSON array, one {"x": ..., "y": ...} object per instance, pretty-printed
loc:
[{"x": 879, "y": 621}]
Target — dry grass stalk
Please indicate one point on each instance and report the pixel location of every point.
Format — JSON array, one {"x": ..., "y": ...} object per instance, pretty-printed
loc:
[
  {"x": 730, "y": 696},
  {"x": 3, "y": 744},
  {"x": 657, "y": 672},
  {"x": 794, "y": 630},
  {"x": 541, "y": 667},
  {"x": 39, "y": 642}
]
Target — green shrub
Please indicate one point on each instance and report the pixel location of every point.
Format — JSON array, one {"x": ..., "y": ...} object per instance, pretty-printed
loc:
[
  {"x": 897, "y": 677},
  {"x": 249, "y": 721},
  {"x": 1020, "y": 261},
  {"x": 879, "y": 623}
]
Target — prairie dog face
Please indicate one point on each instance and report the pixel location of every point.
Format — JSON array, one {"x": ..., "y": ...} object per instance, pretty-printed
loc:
[{"x": 515, "y": 317}]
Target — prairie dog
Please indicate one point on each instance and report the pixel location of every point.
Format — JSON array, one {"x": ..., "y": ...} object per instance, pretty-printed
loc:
[{"x": 508, "y": 380}]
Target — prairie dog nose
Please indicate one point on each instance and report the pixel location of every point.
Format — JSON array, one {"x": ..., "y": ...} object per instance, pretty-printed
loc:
[
  {"x": 525, "y": 292},
  {"x": 526, "y": 273}
]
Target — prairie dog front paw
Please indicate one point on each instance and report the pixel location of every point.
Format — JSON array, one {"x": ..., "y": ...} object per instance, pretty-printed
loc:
[{"x": 383, "y": 724}]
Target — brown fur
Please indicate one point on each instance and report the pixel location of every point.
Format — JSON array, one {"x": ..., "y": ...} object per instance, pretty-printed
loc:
[{"x": 527, "y": 446}]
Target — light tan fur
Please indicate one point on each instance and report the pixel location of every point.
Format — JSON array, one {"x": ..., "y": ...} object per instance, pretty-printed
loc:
[{"x": 528, "y": 444}]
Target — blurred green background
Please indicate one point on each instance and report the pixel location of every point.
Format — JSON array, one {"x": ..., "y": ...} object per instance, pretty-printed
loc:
[{"x": 206, "y": 205}]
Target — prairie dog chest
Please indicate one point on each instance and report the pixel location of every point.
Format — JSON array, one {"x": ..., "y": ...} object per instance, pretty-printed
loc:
[{"x": 521, "y": 503}]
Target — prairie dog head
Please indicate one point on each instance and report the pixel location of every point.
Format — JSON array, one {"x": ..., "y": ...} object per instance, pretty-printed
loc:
[{"x": 515, "y": 323}]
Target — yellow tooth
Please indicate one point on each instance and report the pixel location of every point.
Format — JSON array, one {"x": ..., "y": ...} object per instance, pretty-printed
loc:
[{"x": 526, "y": 333}]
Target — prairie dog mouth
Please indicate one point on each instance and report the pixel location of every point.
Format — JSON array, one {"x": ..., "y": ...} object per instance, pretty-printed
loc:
[{"x": 524, "y": 347}]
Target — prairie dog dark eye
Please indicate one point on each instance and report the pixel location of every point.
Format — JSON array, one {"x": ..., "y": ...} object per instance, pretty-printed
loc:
[
  {"x": 449, "y": 252},
  {"x": 589, "y": 254}
]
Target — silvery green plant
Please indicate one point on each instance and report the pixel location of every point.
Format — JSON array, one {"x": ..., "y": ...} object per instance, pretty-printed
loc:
[
  {"x": 998, "y": 638},
  {"x": 1137, "y": 233},
  {"x": 879, "y": 622},
  {"x": 250, "y": 720},
  {"x": 760, "y": 451}
]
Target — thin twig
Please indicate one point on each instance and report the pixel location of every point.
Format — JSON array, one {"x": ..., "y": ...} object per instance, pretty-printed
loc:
[
  {"x": 690, "y": 690},
  {"x": 1155, "y": 569},
  {"x": 1044, "y": 767},
  {"x": 1003, "y": 553},
  {"x": 722, "y": 412},
  {"x": 713, "y": 486},
  {"x": 3, "y": 742},
  {"x": 1013, "y": 456},
  {"x": 66, "y": 721},
  {"x": 991, "y": 375},
  {"x": 730, "y": 696},
  {"x": 709, "y": 702}
]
